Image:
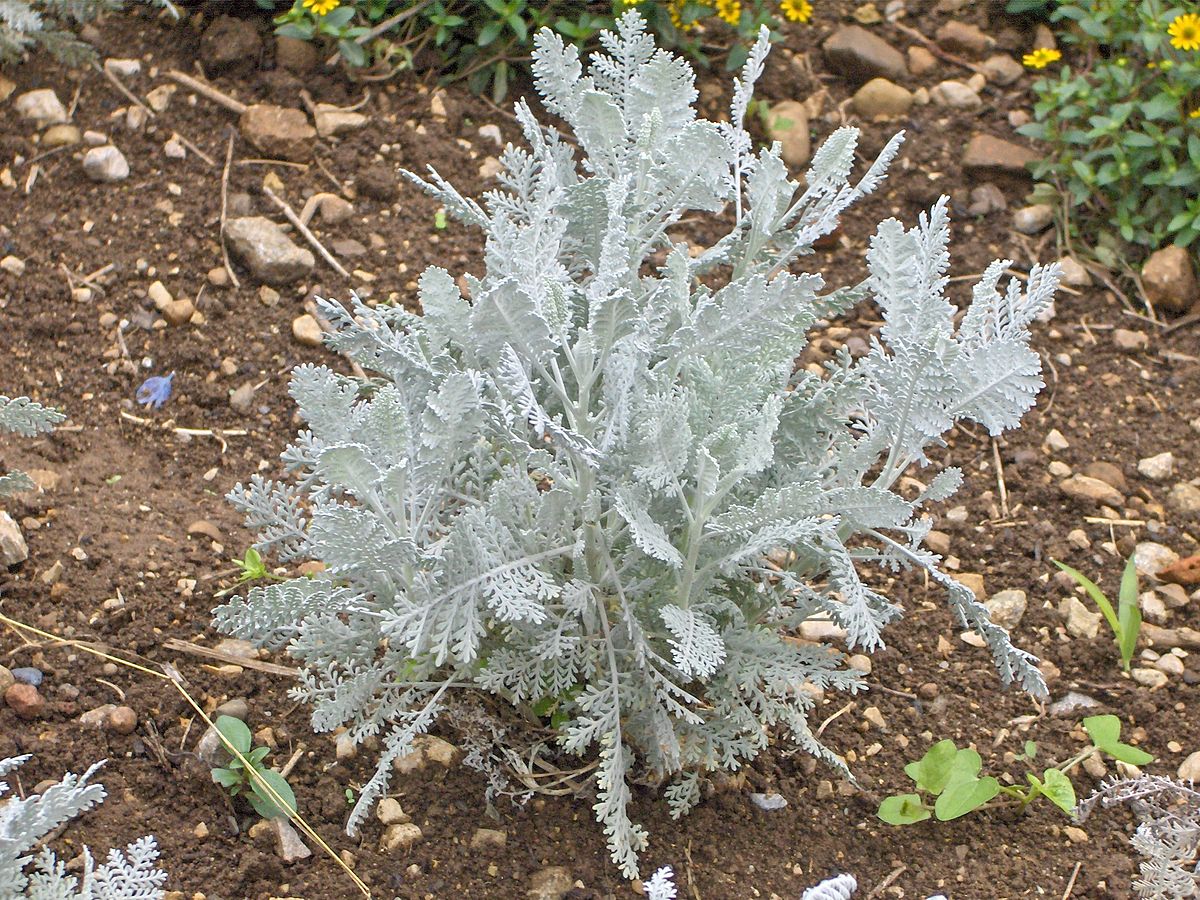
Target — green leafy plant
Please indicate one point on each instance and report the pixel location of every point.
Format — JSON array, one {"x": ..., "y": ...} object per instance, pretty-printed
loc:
[
  {"x": 483, "y": 40},
  {"x": 948, "y": 783},
  {"x": 1126, "y": 620},
  {"x": 1122, "y": 122},
  {"x": 246, "y": 775}
]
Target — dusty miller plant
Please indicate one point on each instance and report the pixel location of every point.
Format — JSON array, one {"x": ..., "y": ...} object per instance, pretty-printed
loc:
[
  {"x": 28, "y": 25},
  {"x": 564, "y": 490},
  {"x": 23, "y": 416},
  {"x": 1167, "y": 836},
  {"x": 128, "y": 875}
]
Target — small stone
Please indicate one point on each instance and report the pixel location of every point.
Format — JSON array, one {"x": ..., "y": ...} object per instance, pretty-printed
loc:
[
  {"x": 345, "y": 748},
  {"x": 768, "y": 802},
  {"x": 986, "y": 198},
  {"x": 938, "y": 542},
  {"x": 1043, "y": 37},
  {"x": 1078, "y": 539},
  {"x": 1150, "y": 558},
  {"x": 13, "y": 266},
  {"x": 24, "y": 700},
  {"x": 488, "y": 839},
  {"x": 211, "y": 531},
  {"x": 334, "y": 209},
  {"x": 242, "y": 397},
  {"x": 28, "y": 675},
  {"x": 960, "y": 37},
  {"x": 200, "y": 832},
  {"x": 217, "y": 276},
  {"x": 389, "y": 812},
  {"x": 437, "y": 750},
  {"x": 297, "y": 56},
  {"x": 920, "y": 60},
  {"x": 491, "y": 132},
  {"x": 1185, "y": 498},
  {"x": 787, "y": 122},
  {"x": 973, "y": 581},
  {"x": 160, "y": 296},
  {"x": 288, "y": 845},
  {"x": 1058, "y": 469},
  {"x": 1071, "y": 702},
  {"x": 7, "y": 86},
  {"x": 857, "y": 54},
  {"x": 1081, "y": 622},
  {"x": 267, "y": 251},
  {"x": 160, "y": 97},
  {"x": 1073, "y": 273},
  {"x": 1170, "y": 280},
  {"x": 237, "y": 708},
  {"x": 973, "y": 639},
  {"x": 1082, "y": 487},
  {"x": 122, "y": 720},
  {"x": 13, "y": 549},
  {"x": 822, "y": 630},
  {"x": 1002, "y": 69},
  {"x": 1007, "y": 608},
  {"x": 333, "y": 120},
  {"x": 1170, "y": 665},
  {"x": 550, "y": 883},
  {"x": 1151, "y": 678},
  {"x": 875, "y": 717},
  {"x": 987, "y": 154},
  {"x": 105, "y": 164},
  {"x": 174, "y": 149},
  {"x": 882, "y": 99},
  {"x": 1094, "y": 766},
  {"x": 179, "y": 312},
  {"x": 1075, "y": 834},
  {"x": 135, "y": 118},
  {"x": 230, "y": 45},
  {"x": 42, "y": 107},
  {"x": 1129, "y": 341},
  {"x": 95, "y": 138},
  {"x": 278, "y": 132},
  {"x": 1159, "y": 467},
  {"x": 123, "y": 68},
  {"x": 860, "y": 662},
  {"x": 1033, "y": 219},
  {"x": 824, "y": 789},
  {"x": 955, "y": 95},
  {"x": 60, "y": 136},
  {"x": 98, "y": 717},
  {"x": 307, "y": 331},
  {"x": 1175, "y": 596},
  {"x": 1189, "y": 769},
  {"x": 400, "y": 836},
  {"x": 6, "y": 680},
  {"x": 928, "y": 690}
]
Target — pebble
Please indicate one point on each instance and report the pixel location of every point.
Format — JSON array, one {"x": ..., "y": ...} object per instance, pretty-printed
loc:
[
  {"x": 238, "y": 708},
  {"x": 1189, "y": 769},
  {"x": 787, "y": 122},
  {"x": 1033, "y": 219},
  {"x": 1058, "y": 469},
  {"x": 400, "y": 836},
  {"x": 1081, "y": 622},
  {"x": 1170, "y": 280},
  {"x": 1170, "y": 665},
  {"x": 1055, "y": 441},
  {"x": 1185, "y": 498},
  {"x": 61, "y": 136},
  {"x": 920, "y": 60},
  {"x": 1083, "y": 487},
  {"x": 13, "y": 265},
  {"x": 986, "y": 198},
  {"x": 860, "y": 55},
  {"x": 179, "y": 312},
  {"x": 1075, "y": 834},
  {"x": 1071, "y": 702},
  {"x": 13, "y": 549},
  {"x": 1159, "y": 467},
  {"x": 768, "y": 802},
  {"x": 345, "y": 748},
  {"x": 1129, "y": 341},
  {"x": 28, "y": 675},
  {"x": 123, "y": 68},
  {"x": 875, "y": 717},
  {"x": 95, "y": 138},
  {"x": 333, "y": 120},
  {"x": 1007, "y": 608},
  {"x": 550, "y": 883},
  {"x": 1073, "y": 272},
  {"x": 159, "y": 98},
  {"x": 278, "y": 132},
  {"x": 208, "y": 530},
  {"x": 1150, "y": 558},
  {"x": 938, "y": 542},
  {"x": 1002, "y": 69},
  {"x": 307, "y": 331},
  {"x": 135, "y": 118},
  {"x": 159, "y": 295},
  {"x": 42, "y": 107},
  {"x": 491, "y": 133},
  {"x": 6, "y": 679},
  {"x": 929, "y": 690},
  {"x": 955, "y": 95},
  {"x": 488, "y": 839},
  {"x": 105, "y": 164},
  {"x": 882, "y": 99},
  {"x": 267, "y": 251},
  {"x": 334, "y": 209},
  {"x": 390, "y": 812},
  {"x": 1151, "y": 678},
  {"x": 985, "y": 153},
  {"x": 217, "y": 276},
  {"x": 288, "y": 845},
  {"x": 242, "y": 397},
  {"x": 822, "y": 630},
  {"x": 122, "y": 720},
  {"x": 174, "y": 149},
  {"x": 24, "y": 700},
  {"x": 97, "y": 717},
  {"x": 960, "y": 37},
  {"x": 860, "y": 662}
]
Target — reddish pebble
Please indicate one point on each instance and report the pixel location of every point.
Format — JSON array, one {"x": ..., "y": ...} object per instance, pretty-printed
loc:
[
  {"x": 928, "y": 691},
  {"x": 122, "y": 720},
  {"x": 24, "y": 700}
]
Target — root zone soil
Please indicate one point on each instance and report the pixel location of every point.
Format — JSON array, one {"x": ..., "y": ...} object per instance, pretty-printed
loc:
[{"x": 126, "y": 484}]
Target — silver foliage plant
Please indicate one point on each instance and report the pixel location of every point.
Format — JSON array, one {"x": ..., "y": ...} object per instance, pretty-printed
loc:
[
  {"x": 564, "y": 490},
  {"x": 20, "y": 415},
  {"x": 128, "y": 875},
  {"x": 1167, "y": 836}
]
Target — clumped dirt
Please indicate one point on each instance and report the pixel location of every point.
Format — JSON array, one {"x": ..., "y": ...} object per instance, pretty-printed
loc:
[{"x": 130, "y": 482}]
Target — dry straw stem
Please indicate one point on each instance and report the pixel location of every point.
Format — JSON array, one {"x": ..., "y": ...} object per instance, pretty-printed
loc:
[{"x": 172, "y": 675}]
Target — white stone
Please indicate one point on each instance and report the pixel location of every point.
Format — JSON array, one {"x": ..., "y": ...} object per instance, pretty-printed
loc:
[
  {"x": 955, "y": 95},
  {"x": 1033, "y": 219},
  {"x": 13, "y": 549},
  {"x": 1150, "y": 558},
  {"x": 1081, "y": 622},
  {"x": 159, "y": 295},
  {"x": 491, "y": 133},
  {"x": 1159, "y": 467},
  {"x": 1055, "y": 441},
  {"x": 1189, "y": 769},
  {"x": 174, "y": 149},
  {"x": 1151, "y": 678},
  {"x": 105, "y": 164},
  {"x": 42, "y": 107},
  {"x": 1170, "y": 664},
  {"x": 13, "y": 266},
  {"x": 1007, "y": 608},
  {"x": 399, "y": 837},
  {"x": 123, "y": 68},
  {"x": 1073, "y": 272}
]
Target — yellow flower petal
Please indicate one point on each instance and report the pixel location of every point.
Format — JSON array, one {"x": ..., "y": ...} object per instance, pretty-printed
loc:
[{"x": 1185, "y": 32}]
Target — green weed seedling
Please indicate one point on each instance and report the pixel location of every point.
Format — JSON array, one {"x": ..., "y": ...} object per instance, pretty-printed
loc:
[
  {"x": 1126, "y": 620},
  {"x": 237, "y": 779},
  {"x": 949, "y": 784}
]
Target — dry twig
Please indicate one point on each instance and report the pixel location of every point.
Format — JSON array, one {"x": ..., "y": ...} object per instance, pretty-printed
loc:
[
  {"x": 224, "y": 206},
  {"x": 306, "y": 232},
  {"x": 207, "y": 90}
]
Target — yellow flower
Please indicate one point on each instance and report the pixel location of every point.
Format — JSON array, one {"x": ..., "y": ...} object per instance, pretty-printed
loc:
[
  {"x": 1041, "y": 57},
  {"x": 1194, "y": 114},
  {"x": 796, "y": 10},
  {"x": 673, "y": 9},
  {"x": 1185, "y": 32},
  {"x": 730, "y": 11},
  {"x": 321, "y": 7}
]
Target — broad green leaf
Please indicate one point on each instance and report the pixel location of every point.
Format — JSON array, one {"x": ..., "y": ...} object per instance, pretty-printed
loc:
[
  {"x": 226, "y": 778},
  {"x": 962, "y": 796},
  {"x": 933, "y": 770},
  {"x": 236, "y": 732},
  {"x": 903, "y": 809},
  {"x": 261, "y": 800},
  {"x": 257, "y": 755},
  {"x": 1105, "y": 732},
  {"x": 1059, "y": 790}
]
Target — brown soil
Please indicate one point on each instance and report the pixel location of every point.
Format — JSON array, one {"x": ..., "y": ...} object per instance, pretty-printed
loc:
[{"x": 130, "y": 485}]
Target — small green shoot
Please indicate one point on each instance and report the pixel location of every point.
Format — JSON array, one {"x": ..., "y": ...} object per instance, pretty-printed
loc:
[
  {"x": 949, "y": 784},
  {"x": 1126, "y": 620},
  {"x": 237, "y": 779},
  {"x": 439, "y": 220},
  {"x": 250, "y": 568}
]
